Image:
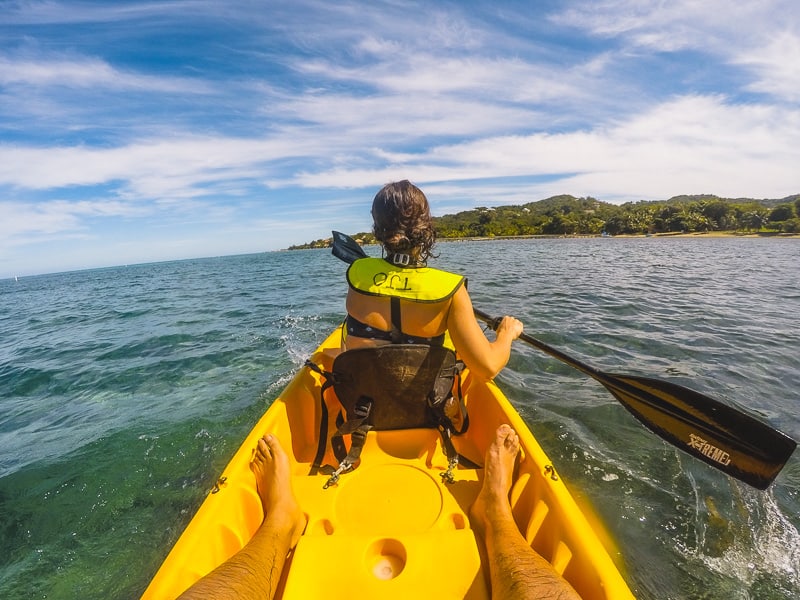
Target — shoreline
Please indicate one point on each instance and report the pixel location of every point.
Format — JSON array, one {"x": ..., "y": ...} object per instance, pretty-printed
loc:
[
  {"x": 694, "y": 234},
  {"x": 721, "y": 234}
]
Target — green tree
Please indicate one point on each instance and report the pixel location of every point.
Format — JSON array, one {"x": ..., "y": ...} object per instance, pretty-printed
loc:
[
  {"x": 782, "y": 212},
  {"x": 617, "y": 225},
  {"x": 756, "y": 219},
  {"x": 554, "y": 225},
  {"x": 719, "y": 214},
  {"x": 791, "y": 226}
]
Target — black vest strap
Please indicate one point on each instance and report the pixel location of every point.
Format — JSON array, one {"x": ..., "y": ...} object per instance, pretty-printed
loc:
[{"x": 397, "y": 328}]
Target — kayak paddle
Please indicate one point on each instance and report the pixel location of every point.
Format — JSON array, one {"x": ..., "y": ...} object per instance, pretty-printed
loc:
[
  {"x": 346, "y": 248},
  {"x": 719, "y": 435}
]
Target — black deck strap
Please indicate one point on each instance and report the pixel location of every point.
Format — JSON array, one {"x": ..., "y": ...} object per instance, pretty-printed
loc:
[
  {"x": 337, "y": 441},
  {"x": 440, "y": 397},
  {"x": 447, "y": 442},
  {"x": 466, "y": 463},
  {"x": 357, "y": 439},
  {"x": 359, "y": 417},
  {"x": 462, "y": 406},
  {"x": 322, "y": 441},
  {"x": 355, "y": 426}
]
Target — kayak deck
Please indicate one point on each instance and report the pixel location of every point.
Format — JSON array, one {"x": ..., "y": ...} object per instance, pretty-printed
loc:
[{"x": 390, "y": 528}]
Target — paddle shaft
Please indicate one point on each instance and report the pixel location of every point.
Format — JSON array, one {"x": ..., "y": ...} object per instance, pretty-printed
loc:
[{"x": 583, "y": 367}]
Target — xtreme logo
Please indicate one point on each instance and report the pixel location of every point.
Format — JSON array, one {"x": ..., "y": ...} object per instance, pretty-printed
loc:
[{"x": 712, "y": 452}]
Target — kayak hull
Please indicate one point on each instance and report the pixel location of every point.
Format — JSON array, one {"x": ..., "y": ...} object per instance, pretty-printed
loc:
[{"x": 391, "y": 528}]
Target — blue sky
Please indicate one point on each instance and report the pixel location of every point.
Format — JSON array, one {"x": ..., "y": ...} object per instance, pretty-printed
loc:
[{"x": 143, "y": 131}]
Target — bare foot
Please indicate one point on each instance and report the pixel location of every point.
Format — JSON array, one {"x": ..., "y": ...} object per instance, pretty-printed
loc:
[
  {"x": 492, "y": 501},
  {"x": 274, "y": 483}
]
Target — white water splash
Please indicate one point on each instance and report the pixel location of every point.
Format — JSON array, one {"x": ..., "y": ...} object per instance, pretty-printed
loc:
[{"x": 766, "y": 545}]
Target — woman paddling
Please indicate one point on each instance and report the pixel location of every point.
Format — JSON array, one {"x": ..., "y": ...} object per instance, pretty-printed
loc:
[{"x": 428, "y": 302}]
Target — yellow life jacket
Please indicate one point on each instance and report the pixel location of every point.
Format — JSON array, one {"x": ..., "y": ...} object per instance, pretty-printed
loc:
[{"x": 377, "y": 277}]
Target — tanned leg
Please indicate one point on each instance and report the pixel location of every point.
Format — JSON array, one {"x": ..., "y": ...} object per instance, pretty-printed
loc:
[
  {"x": 516, "y": 571},
  {"x": 254, "y": 571}
]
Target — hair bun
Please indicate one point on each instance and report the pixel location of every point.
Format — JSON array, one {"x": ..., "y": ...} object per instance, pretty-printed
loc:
[{"x": 402, "y": 220}]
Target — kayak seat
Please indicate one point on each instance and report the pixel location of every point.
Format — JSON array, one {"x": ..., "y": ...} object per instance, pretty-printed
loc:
[
  {"x": 407, "y": 384},
  {"x": 397, "y": 386}
]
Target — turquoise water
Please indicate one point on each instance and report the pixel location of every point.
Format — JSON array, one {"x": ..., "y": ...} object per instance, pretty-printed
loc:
[{"x": 123, "y": 393}]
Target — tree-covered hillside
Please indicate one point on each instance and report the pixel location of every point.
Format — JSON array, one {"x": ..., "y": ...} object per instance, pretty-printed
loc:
[{"x": 568, "y": 215}]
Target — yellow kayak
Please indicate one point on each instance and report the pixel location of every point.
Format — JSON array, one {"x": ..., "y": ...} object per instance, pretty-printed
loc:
[{"x": 391, "y": 528}]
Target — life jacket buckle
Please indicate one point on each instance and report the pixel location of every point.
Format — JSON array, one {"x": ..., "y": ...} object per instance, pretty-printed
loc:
[{"x": 401, "y": 260}]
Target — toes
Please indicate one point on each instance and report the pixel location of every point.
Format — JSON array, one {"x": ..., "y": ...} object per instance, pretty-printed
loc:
[
  {"x": 512, "y": 442},
  {"x": 274, "y": 446},
  {"x": 503, "y": 431},
  {"x": 268, "y": 446},
  {"x": 262, "y": 450},
  {"x": 507, "y": 437}
]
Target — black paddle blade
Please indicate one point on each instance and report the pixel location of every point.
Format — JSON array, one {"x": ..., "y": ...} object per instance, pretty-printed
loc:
[
  {"x": 721, "y": 436},
  {"x": 346, "y": 248}
]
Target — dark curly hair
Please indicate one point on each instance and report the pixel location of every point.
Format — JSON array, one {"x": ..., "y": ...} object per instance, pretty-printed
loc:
[{"x": 402, "y": 221}]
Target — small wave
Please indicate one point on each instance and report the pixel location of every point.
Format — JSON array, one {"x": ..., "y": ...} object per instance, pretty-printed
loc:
[
  {"x": 757, "y": 543},
  {"x": 301, "y": 334}
]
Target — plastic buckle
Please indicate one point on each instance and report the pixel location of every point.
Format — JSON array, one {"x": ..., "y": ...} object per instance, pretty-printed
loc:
[{"x": 401, "y": 260}]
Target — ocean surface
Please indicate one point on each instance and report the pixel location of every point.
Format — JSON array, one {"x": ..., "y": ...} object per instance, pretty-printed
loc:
[{"x": 124, "y": 391}]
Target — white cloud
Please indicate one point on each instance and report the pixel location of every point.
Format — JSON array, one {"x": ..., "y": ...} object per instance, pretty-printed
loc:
[
  {"x": 424, "y": 75},
  {"x": 54, "y": 12},
  {"x": 684, "y": 142},
  {"x": 29, "y": 224},
  {"x": 669, "y": 26},
  {"x": 763, "y": 36},
  {"x": 688, "y": 145},
  {"x": 86, "y": 72},
  {"x": 776, "y": 66},
  {"x": 149, "y": 169},
  {"x": 21, "y": 219}
]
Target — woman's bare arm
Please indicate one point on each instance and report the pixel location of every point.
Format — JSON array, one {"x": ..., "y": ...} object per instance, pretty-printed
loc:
[{"x": 484, "y": 358}]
